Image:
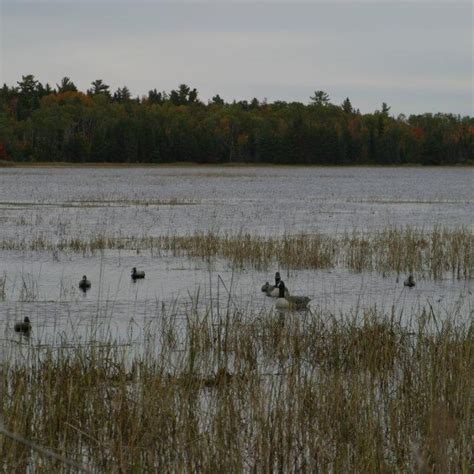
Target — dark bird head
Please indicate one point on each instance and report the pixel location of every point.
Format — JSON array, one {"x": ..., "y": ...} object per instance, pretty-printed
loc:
[{"x": 281, "y": 289}]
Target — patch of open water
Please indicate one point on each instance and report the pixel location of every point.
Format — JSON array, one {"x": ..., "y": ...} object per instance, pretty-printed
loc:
[
  {"x": 265, "y": 201},
  {"x": 59, "y": 202}
]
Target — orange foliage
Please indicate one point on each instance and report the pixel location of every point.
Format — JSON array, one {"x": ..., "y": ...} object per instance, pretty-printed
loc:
[
  {"x": 418, "y": 132},
  {"x": 225, "y": 124},
  {"x": 65, "y": 98},
  {"x": 462, "y": 132},
  {"x": 456, "y": 135},
  {"x": 3, "y": 152},
  {"x": 354, "y": 127}
]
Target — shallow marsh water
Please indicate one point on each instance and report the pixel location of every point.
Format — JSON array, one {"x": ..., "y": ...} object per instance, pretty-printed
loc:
[
  {"x": 265, "y": 201},
  {"x": 58, "y": 202}
]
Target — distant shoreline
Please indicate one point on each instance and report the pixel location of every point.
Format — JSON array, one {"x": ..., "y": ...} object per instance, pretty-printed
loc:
[{"x": 21, "y": 164}]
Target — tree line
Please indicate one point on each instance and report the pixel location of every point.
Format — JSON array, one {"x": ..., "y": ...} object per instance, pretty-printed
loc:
[{"x": 40, "y": 123}]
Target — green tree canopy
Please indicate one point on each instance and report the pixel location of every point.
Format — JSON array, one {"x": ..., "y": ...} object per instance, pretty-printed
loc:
[
  {"x": 320, "y": 98},
  {"x": 98, "y": 87},
  {"x": 66, "y": 85}
]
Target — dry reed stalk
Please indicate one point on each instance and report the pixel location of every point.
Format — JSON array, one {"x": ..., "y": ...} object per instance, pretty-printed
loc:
[
  {"x": 407, "y": 250},
  {"x": 299, "y": 392}
]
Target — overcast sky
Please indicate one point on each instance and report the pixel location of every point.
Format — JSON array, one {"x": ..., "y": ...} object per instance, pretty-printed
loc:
[{"x": 415, "y": 55}]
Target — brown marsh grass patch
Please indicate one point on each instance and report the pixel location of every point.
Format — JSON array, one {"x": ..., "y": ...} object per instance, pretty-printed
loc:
[{"x": 251, "y": 392}]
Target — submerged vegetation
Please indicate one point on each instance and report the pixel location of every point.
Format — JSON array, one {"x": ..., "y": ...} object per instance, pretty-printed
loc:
[
  {"x": 431, "y": 253},
  {"x": 250, "y": 392},
  {"x": 39, "y": 123}
]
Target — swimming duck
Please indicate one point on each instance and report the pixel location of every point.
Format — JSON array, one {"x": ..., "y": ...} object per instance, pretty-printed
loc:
[
  {"x": 84, "y": 284},
  {"x": 24, "y": 327},
  {"x": 290, "y": 302},
  {"x": 136, "y": 275},
  {"x": 410, "y": 281},
  {"x": 273, "y": 290}
]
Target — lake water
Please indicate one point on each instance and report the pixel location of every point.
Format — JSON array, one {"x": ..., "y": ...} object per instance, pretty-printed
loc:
[
  {"x": 261, "y": 200},
  {"x": 52, "y": 203}
]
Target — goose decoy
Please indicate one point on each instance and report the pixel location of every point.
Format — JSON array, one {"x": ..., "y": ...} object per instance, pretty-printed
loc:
[
  {"x": 410, "y": 281},
  {"x": 84, "y": 284},
  {"x": 24, "y": 327},
  {"x": 273, "y": 291},
  {"x": 290, "y": 302},
  {"x": 137, "y": 275}
]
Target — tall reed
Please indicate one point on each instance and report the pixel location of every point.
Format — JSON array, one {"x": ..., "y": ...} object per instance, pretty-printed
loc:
[
  {"x": 407, "y": 250},
  {"x": 3, "y": 284},
  {"x": 251, "y": 392}
]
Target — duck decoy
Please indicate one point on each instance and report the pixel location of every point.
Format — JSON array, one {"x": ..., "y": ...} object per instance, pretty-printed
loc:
[
  {"x": 410, "y": 281},
  {"x": 273, "y": 291},
  {"x": 84, "y": 284},
  {"x": 290, "y": 302},
  {"x": 24, "y": 327},
  {"x": 137, "y": 275}
]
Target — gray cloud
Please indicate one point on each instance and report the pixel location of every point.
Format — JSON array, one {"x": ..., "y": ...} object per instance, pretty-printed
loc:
[{"x": 417, "y": 56}]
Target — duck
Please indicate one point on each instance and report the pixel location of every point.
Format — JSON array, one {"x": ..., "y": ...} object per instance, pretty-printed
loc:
[
  {"x": 136, "y": 275},
  {"x": 410, "y": 281},
  {"x": 290, "y": 302},
  {"x": 24, "y": 327},
  {"x": 84, "y": 284},
  {"x": 273, "y": 291}
]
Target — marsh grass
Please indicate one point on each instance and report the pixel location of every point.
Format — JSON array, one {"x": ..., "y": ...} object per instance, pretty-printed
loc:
[
  {"x": 130, "y": 202},
  {"x": 3, "y": 285},
  {"x": 251, "y": 392},
  {"x": 28, "y": 288},
  {"x": 431, "y": 254},
  {"x": 96, "y": 202}
]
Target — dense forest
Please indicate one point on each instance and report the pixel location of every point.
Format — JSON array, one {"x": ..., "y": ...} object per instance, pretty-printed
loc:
[{"x": 39, "y": 123}]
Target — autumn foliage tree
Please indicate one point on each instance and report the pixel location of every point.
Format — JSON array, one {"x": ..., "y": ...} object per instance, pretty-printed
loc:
[{"x": 38, "y": 123}]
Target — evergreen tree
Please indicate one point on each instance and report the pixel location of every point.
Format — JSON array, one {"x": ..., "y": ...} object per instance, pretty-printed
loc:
[
  {"x": 66, "y": 85},
  {"x": 347, "y": 106},
  {"x": 320, "y": 98},
  {"x": 155, "y": 97},
  {"x": 38, "y": 123},
  {"x": 184, "y": 95},
  {"x": 98, "y": 87},
  {"x": 217, "y": 100},
  {"x": 122, "y": 94},
  {"x": 385, "y": 109},
  {"x": 29, "y": 91}
]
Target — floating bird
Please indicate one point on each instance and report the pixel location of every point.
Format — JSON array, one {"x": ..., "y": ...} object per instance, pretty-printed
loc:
[
  {"x": 270, "y": 290},
  {"x": 137, "y": 275},
  {"x": 410, "y": 281},
  {"x": 290, "y": 302},
  {"x": 24, "y": 327},
  {"x": 84, "y": 284}
]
